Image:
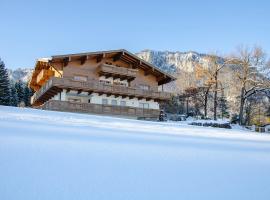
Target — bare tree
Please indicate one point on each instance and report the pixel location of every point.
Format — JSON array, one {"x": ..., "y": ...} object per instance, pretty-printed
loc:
[
  {"x": 205, "y": 82},
  {"x": 248, "y": 66},
  {"x": 215, "y": 66},
  {"x": 212, "y": 81}
]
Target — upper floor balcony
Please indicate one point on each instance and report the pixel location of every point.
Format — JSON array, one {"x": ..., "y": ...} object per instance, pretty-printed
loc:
[
  {"x": 55, "y": 85},
  {"x": 117, "y": 72}
]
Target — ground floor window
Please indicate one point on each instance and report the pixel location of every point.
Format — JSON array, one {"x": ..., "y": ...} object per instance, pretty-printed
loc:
[
  {"x": 74, "y": 100},
  {"x": 144, "y": 105},
  {"x": 114, "y": 102},
  {"x": 105, "y": 101},
  {"x": 123, "y": 103}
]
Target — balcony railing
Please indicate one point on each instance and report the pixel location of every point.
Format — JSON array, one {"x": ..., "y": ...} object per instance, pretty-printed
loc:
[
  {"x": 56, "y": 84},
  {"x": 100, "y": 109},
  {"x": 119, "y": 72}
]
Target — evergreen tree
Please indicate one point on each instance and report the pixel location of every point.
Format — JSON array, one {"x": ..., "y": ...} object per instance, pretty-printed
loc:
[
  {"x": 4, "y": 85},
  {"x": 14, "y": 97},
  {"x": 223, "y": 106},
  {"x": 20, "y": 91},
  {"x": 27, "y": 95}
]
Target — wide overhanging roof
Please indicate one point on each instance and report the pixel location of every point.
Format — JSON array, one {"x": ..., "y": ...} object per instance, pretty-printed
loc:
[
  {"x": 42, "y": 63},
  {"x": 121, "y": 54}
]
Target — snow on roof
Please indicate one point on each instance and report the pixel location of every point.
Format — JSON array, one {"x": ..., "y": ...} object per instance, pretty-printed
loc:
[{"x": 44, "y": 59}]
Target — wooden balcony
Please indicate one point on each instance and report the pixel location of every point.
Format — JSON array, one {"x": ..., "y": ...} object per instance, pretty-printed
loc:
[
  {"x": 44, "y": 75},
  {"x": 100, "y": 109},
  {"x": 117, "y": 72},
  {"x": 55, "y": 85}
]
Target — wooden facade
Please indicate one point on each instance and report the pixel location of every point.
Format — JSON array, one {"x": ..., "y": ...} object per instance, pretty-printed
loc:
[{"x": 92, "y": 79}]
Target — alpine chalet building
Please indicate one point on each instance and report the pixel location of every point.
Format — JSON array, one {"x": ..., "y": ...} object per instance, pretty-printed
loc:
[{"x": 107, "y": 82}]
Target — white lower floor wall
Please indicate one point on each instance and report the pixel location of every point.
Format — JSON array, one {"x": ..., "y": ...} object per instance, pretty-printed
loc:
[{"x": 95, "y": 98}]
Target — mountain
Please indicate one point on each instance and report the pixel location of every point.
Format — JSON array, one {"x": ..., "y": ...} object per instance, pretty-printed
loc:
[
  {"x": 173, "y": 61},
  {"x": 22, "y": 74}
]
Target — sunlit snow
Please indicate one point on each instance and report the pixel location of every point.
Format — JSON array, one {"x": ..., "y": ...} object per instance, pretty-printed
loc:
[{"x": 54, "y": 155}]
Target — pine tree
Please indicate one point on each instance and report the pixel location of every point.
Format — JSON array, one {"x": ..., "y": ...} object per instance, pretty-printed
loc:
[
  {"x": 223, "y": 106},
  {"x": 4, "y": 85},
  {"x": 14, "y": 97},
  {"x": 20, "y": 91},
  {"x": 27, "y": 95}
]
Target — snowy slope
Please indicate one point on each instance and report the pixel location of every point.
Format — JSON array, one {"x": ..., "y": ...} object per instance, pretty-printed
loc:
[{"x": 53, "y": 155}]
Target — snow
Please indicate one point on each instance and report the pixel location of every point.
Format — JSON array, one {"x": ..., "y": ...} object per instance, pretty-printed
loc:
[{"x": 54, "y": 155}]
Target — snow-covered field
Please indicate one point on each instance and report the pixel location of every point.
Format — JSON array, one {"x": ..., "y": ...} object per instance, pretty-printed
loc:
[{"x": 53, "y": 155}]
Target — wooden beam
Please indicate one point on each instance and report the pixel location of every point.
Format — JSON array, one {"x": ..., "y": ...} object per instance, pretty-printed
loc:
[
  {"x": 115, "y": 76},
  {"x": 65, "y": 61},
  {"x": 107, "y": 75},
  {"x": 117, "y": 57},
  {"x": 136, "y": 65},
  {"x": 100, "y": 57},
  {"x": 123, "y": 78},
  {"x": 130, "y": 79},
  {"x": 126, "y": 60},
  {"x": 83, "y": 59},
  {"x": 160, "y": 78},
  {"x": 108, "y": 94},
  {"x": 147, "y": 72}
]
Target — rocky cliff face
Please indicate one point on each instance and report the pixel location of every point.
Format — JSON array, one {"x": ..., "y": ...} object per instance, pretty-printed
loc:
[
  {"x": 22, "y": 74},
  {"x": 173, "y": 61}
]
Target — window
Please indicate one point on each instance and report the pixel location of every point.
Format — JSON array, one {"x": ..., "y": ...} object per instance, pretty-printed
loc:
[
  {"x": 89, "y": 100},
  {"x": 105, "y": 101},
  {"x": 114, "y": 102},
  {"x": 105, "y": 82},
  {"x": 144, "y": 87},
  {"x": 144, "y": 105},
  {"x": 120, "y": 83},
  {"x": 123, "y": 103},
  {"x": 74, "y": 100},
  {"x": 80, "y": 78}
]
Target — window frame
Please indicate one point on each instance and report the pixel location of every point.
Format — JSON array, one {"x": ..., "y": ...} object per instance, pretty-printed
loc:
[{"x": 105, "y": 100}]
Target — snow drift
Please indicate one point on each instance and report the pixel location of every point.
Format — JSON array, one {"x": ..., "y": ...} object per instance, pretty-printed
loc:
[{"x": 53, "y": 155}]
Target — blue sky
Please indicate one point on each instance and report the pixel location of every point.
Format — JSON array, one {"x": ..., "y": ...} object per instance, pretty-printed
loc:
[{"x": 33, "y": 29}]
